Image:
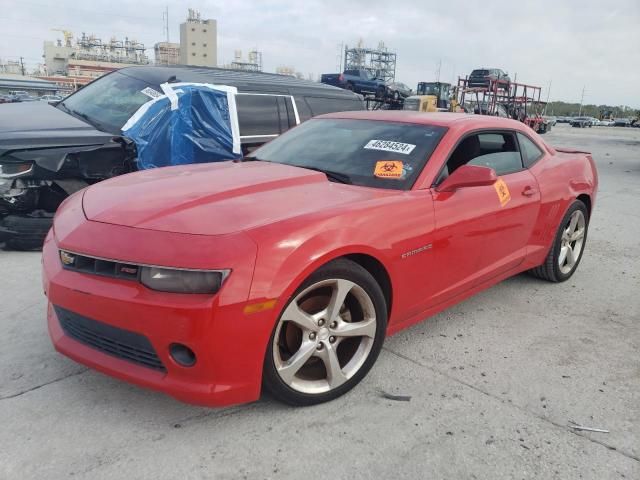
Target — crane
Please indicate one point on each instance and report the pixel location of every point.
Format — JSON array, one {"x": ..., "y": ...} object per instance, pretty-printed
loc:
[{"x": 68, "y": 36}]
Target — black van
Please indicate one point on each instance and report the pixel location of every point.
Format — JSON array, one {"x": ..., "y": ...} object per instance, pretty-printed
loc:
[{"x": 48, "y": 153}]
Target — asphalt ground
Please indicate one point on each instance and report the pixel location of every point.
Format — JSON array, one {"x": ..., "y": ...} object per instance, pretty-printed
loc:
[{"x": 493, "y": 382}]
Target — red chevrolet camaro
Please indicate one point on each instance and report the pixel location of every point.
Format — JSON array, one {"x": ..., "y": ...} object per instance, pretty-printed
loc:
[{"x": 288, "y": 269}]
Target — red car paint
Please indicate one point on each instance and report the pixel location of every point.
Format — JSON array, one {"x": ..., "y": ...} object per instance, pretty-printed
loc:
[{"x": 273, "y": 225}]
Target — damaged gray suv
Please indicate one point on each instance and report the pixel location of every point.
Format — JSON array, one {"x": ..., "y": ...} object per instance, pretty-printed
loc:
[{"x": 49, "y": 152}]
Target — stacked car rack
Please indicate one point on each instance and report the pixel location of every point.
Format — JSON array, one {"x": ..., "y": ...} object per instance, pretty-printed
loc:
[{"x": 504, "y": 98}]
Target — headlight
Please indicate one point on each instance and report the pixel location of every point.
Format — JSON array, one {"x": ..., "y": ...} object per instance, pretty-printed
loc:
[
  {"x": 182, "y": 281},
  {"x": 10, "y": 170}
]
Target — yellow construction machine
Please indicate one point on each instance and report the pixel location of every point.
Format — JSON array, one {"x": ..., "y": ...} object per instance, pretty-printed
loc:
[{"x": 433, "y": 97}]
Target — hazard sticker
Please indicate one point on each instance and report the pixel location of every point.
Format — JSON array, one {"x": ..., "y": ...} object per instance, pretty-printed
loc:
[
  {"x": 388, "y": 169},
  {"x": 503, "y": 192},
  {"x": 389, "y": 146}
]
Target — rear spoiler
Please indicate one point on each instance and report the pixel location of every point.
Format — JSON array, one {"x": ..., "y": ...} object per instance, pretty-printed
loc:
[{"x": 570, "y": 150}]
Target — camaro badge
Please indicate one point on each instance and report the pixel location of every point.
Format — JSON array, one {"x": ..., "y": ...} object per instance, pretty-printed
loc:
[
  {"x": 388, "y": 169},
  {"x": 411, "y": 253},
  {"x": 503, "y": 192}
]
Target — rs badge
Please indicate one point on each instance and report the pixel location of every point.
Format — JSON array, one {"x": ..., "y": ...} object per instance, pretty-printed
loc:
[{"x": 503, "y": 192}]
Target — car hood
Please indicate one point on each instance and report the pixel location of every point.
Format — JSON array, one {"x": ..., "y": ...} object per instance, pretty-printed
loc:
[
  {"x": 218, "y": 198},
  {"x": 38, "y": 125}
]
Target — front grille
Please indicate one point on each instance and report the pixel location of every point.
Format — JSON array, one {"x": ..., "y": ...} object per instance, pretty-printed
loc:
[
  {"x": 98, "y": 266},
  {"x": 120, "y": 343}
]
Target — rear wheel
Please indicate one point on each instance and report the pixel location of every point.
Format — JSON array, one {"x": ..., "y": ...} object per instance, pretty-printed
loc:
[
  {"x": 568, "y": 246},
  {"x": 328, "y": 336}
]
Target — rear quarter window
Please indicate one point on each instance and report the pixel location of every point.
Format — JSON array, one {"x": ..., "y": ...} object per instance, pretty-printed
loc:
[
  {"x": 322, "y": 105},
  {"x": 258, "y": 114},
  {"x": 530, "y": 151}
]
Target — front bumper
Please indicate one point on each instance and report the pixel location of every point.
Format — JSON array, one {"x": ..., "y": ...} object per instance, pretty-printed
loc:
[{"x": 229, "y": 345}]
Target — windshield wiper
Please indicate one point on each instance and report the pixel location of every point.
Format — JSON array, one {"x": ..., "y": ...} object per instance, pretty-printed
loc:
[
  {"x": 331, "y": 175},
  {"x": 253, "y": 159}
]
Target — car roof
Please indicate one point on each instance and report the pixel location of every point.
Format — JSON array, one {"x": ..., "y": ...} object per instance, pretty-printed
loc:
[
  {"x": 443, "y": 119},
  {"x": 242, "y": 80}
]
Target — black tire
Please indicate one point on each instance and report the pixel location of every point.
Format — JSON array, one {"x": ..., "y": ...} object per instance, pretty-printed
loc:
[
  {"x": 337, "y": 269},
  {"x": 380, "y": 93},
  {"x": 550, "y": 270},
  {"x": 25, "y": 233},
  {"x": 350, "y": 86}
]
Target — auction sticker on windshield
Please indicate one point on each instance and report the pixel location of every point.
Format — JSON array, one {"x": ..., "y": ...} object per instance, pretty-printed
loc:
[
  {"x": 388, "y": 169},
  {"x": 389, "y": 146},
  {"x": 151, "y": 93}
]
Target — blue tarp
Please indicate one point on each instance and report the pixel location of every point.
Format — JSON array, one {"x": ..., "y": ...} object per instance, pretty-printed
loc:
[{"x": 189, "y": 123}]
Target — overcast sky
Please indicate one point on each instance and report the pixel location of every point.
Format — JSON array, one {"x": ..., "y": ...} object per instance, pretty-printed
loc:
[{"x": 570, "y": 43}]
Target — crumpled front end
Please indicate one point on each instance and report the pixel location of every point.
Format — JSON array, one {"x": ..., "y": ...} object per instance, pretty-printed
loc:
[{"x": 34, "y": 182}]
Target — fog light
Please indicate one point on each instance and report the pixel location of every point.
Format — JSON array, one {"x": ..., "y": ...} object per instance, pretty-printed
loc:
[{"x": 182, "y": 355}]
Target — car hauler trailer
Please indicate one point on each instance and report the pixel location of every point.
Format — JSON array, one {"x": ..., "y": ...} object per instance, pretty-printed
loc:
[{"x": 503, "y": 98}]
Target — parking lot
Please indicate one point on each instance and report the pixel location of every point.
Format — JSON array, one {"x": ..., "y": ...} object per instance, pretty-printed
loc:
[{"x": 491, "y": 384}]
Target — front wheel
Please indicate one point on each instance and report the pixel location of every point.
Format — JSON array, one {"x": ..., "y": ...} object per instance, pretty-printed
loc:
[
  {"x": 328, "y": 336},
  {"x": 568, "y": 246}
]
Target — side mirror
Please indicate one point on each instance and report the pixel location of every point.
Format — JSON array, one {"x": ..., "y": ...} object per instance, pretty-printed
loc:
[{"x": 468, "y": 176}]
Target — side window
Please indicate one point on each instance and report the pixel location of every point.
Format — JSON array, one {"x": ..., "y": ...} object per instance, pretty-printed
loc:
[
  {"x": 530, "y": 151},
  {"x": 320, "y": 105},
  {"x": 303, "y": 109},
  {"x": 291, "y": 116},
  {"x": 282, "y": 115},
  {"x": 494, "y": 150},
  {"x": 258, "y": 115}
]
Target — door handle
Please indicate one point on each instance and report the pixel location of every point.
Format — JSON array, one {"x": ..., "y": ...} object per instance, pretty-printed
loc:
[{"x": 529, "y": 191}]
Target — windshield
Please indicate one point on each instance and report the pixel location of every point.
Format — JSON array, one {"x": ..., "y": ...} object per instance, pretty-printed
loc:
[
  {"x": 429, "y": 89},
  {"x": 109, "y": 101},
  {"x": 368, "y": 153}
]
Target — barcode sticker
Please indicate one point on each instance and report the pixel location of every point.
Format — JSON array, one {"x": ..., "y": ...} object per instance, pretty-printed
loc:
[
  {"x": 151, "y": 93},
  {"x": 389, "y": 146}
]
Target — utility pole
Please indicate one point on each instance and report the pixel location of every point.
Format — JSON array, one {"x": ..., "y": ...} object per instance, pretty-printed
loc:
[
  {"x": 581, "y": 101},
  {"x": 166, "y": 19},
  {"x": 22, "y": 65},
  {"x": 438, "y": 68},
  {"x": 165, "y": 28},
  {"x": 548, "y": 93}
]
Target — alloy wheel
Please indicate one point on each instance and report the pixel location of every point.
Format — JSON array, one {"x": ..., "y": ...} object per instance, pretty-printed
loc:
[
  {"x": 324, "y": 336},
  {"x": 572, "y": 242}
]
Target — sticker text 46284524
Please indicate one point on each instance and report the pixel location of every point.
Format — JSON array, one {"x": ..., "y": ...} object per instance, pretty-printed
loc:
[{"x": 389, "y": 146}]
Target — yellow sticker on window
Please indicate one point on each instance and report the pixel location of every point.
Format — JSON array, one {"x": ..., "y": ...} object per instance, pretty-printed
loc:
[
  {"x": 503, "y": 192},
  {"x": 388, "y": 169}
]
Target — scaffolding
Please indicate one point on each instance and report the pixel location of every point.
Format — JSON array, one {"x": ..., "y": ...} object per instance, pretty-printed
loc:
[{"x": 379, "y": 62}]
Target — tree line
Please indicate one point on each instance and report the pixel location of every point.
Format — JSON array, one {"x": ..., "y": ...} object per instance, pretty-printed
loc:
[{"x": 564, "y": 109}]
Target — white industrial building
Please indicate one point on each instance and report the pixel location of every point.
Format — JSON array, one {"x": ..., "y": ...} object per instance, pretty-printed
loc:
[{"x": 198, "y": 41}]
